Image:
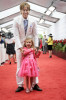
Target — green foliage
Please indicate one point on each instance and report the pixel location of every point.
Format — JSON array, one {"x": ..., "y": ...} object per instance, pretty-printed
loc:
[
  {"x": 64, "y": 48},
  {"x": 40, "y": 36}
]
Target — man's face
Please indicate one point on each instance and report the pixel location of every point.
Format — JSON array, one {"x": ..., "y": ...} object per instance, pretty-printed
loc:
[{"x": 25, "y": 12}]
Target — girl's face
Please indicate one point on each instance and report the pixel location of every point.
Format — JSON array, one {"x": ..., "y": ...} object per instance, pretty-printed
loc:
[{"x": 28, "y": 43}]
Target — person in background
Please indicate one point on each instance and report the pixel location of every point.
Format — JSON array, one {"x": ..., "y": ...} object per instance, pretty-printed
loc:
[
  {"x": 50, "y": 43},
  {"x": 10, "y": 49},
  {"x": 24, "y": 28},
  {"x": 5, "y": 57},
  {"x": 40, "y": 46},
  {"x": 1, "y": 48},
  {"x": 44, "y": 44},
  {"x": 29, "y": 67},
  {"x": 1, "y": 40},
  {"x": 3, "y": 37}
]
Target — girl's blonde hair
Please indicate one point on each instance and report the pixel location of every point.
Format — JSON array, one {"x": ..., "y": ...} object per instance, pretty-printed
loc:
[{"x": 32, "y": 46}]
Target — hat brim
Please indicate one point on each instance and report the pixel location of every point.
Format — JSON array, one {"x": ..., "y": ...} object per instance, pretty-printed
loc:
[{"x": 50, "y": 35}]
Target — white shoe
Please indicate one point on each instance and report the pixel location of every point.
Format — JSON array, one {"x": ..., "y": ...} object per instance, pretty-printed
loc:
[
  {"x": 31, "y": 89},
  {"x": 1, "y": 65},
  {"x": 27, "y": 90}
]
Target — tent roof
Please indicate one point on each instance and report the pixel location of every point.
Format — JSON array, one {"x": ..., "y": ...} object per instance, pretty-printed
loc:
[{"x": 60, "y": 6}]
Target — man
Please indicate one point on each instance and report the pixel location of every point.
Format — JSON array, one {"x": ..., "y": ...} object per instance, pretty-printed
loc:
[
  {"x": 23, "y": 28},
  {"x": 44, "y": 44}
]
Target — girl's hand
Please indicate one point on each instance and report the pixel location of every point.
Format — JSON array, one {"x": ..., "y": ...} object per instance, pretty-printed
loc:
[
  {"x": 22, "y": 50},
  {"x": 35, "y": 49},
  {"x": 39, "y": 50},
  {"x": 32, "y": 49}
]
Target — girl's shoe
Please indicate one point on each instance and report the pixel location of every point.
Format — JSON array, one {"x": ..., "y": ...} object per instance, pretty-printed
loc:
[
  {"x": 27, "y": 90},
  {"x": 31, "y": 89},
  {"x": 15, "y": 62}
]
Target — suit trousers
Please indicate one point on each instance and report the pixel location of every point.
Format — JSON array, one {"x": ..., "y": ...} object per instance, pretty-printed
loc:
[{"x": 20, "y": 80}]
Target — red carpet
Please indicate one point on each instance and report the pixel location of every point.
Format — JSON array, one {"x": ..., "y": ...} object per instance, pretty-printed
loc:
[{"x": 52, "y": 80}]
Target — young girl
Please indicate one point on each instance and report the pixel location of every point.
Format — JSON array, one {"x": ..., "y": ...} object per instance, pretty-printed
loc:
[{"x": 29, "y": 64}]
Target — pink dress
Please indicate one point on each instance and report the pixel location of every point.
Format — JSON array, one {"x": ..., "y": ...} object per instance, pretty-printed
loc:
[{"x": 29, "y": 64}]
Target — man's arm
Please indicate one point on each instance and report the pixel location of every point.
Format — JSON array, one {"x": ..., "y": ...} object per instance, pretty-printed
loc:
[
  {"x": 16, "y": 35},
  {"x": 36, "y": 42}
]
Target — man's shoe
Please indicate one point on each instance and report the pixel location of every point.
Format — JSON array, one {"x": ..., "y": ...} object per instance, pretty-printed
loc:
[
  {"x": 36, "y": 87},
  {"x": 9, "y": 62},
  {"x": 19, "y": 89},
  {"x": 50, "y": 56}
]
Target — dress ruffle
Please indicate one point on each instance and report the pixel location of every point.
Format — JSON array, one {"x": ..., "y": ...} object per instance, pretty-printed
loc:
[{"x": 28, "y": 68}]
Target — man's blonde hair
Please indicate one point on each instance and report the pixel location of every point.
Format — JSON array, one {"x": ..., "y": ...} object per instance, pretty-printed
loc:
[{"x": 24, "y": 4}]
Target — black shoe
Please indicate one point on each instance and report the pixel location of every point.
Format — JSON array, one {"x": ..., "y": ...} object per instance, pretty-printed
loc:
[
  {"x": 50, "y": 57},
  {"x": 19, "y": 89},
  {"x": 36, "y": 87},
  {"x": 10, "y": 63},
  {"x": 15, "y": 62}
]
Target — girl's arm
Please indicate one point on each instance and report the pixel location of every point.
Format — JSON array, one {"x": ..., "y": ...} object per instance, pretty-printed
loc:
[
  {"x": 38, "y": 53},
  {"x": 26, "y": 51}
]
